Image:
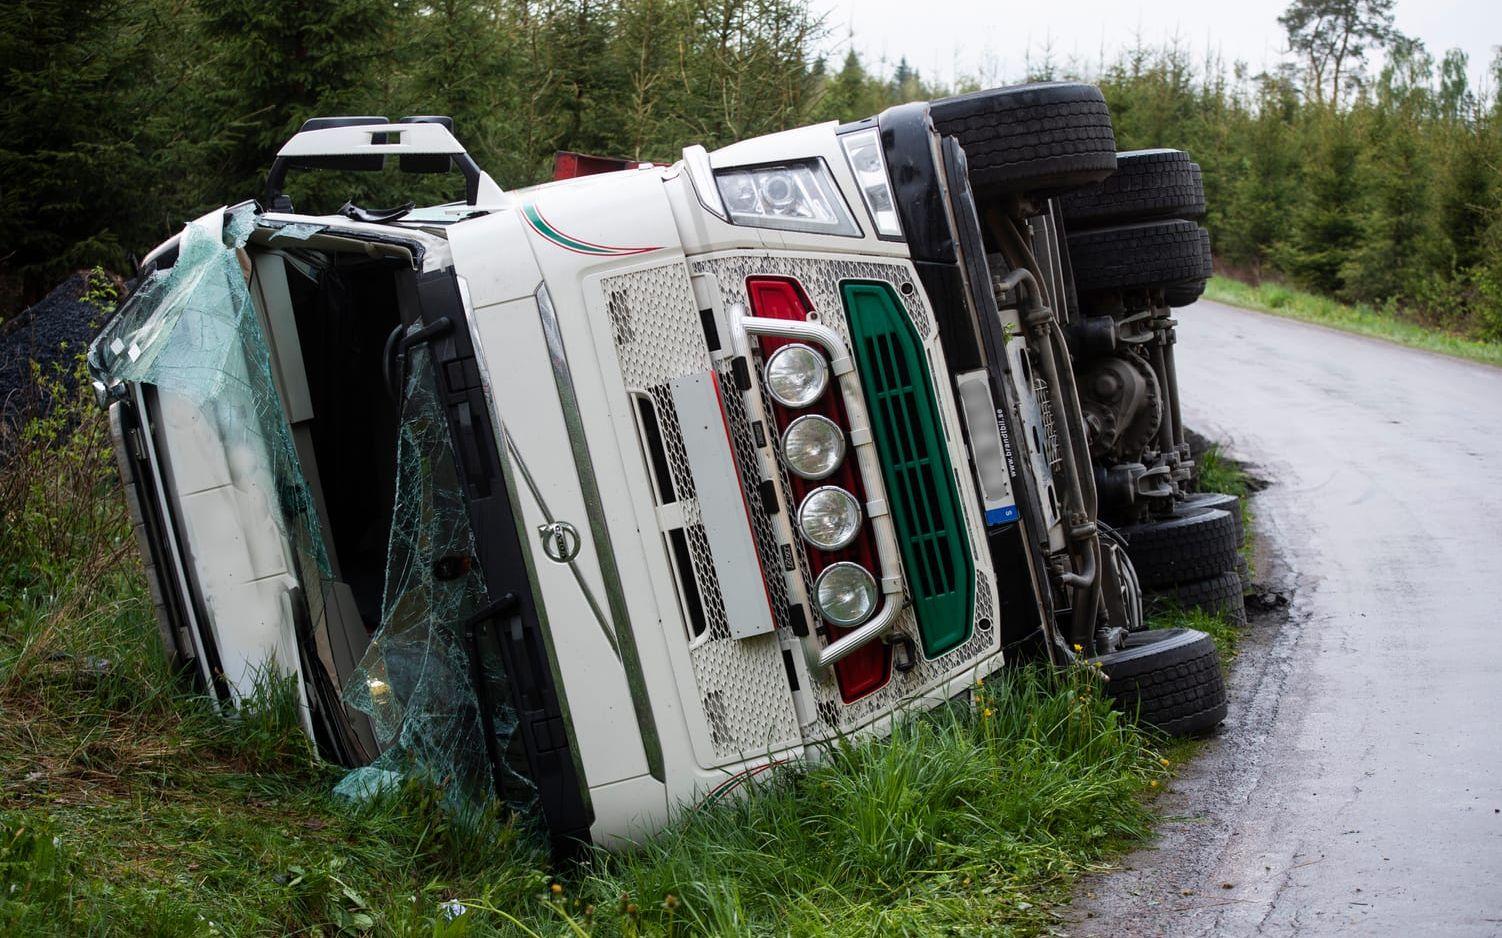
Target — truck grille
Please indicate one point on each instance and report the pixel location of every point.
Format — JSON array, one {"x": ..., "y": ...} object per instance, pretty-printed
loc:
[
  {"x": 915, "y": 465},
  {"x": 823, "y": 279},
  {"x": 742, "y": 684}
]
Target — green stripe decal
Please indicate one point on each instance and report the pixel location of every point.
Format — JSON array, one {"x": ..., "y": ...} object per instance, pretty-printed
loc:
[
  {"x": 545, "y": 228},
  {"x": 915, "y": 464}
]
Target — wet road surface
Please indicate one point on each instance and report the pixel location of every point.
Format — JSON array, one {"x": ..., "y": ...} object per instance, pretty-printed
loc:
[{"x": 1357, "y": 784}]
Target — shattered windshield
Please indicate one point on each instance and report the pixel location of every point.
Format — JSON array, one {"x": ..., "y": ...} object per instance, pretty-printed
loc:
[
  {"x": 192, "y": 331},
  {"x": 417, "y": 680}
]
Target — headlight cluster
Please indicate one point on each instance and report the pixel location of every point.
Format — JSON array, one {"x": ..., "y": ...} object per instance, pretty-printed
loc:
[
  {"x": 799, "y": 195},
  {"x": 829, "y": 518},
  {"x": 863, "y": 150}
]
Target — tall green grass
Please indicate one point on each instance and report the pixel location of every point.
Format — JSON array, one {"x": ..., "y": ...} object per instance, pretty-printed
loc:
[
  {"x": 1215, "y": 472},
  {"x": 969, "y": 818},
  {"x": 973, "y": 818},
  {"x": 1379, "y": 322}
]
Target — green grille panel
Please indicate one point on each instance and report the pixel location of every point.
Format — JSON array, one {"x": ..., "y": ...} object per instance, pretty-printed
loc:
[{"x": 914, "y": 464}]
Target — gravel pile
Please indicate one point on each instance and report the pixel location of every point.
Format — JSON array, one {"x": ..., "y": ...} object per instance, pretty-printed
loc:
[{"x": 53, "y": 332}]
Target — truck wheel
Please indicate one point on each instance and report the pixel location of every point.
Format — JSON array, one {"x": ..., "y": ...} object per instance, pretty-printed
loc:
[
  {"x": 1147, "y": 254},
  {"x": 1147, "y": 184},
  {"x": 1183, "y": 547},
  {"x": 1219, "y": 595},
  {"x": 1204, "y": 501},
  {"x": 1041, "y": 138},
  {"x": 1182, "y": 294},
  {"x": 1208, "y": 501},
  {"x": 1168, "y": 678}
]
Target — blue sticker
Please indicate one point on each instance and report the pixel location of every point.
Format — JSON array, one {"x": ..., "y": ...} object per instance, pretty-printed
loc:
[{"x": 995, "y": 516}]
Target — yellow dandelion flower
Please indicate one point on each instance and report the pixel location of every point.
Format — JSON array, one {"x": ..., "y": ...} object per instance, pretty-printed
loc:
[
  {"x": 1079, "y": 647},
  {"x": 1165, "y": 762},
  {"x": 1153, "y": 784},
  {"x": 987, "y": 712},
  {"x": 557, "y": 889}
]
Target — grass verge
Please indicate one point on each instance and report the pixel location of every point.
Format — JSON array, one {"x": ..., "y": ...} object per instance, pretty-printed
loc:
[
  {"x": 1282, "y": 300},
  {"x": 131, "y": 807}
]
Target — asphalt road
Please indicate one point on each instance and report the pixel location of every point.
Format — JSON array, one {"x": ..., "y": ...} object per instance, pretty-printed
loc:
[{"x": 1357, "y": 784}]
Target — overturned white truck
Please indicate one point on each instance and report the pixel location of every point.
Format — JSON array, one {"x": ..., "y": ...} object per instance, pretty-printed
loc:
[{"x": 603, "y": 496}]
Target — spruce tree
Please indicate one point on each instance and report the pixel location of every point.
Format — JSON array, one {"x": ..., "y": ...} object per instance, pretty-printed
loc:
[
  {"x": 1326, "y": 223},
  {"x": 274, "y": 65},
  {"x": 851, "y": 94},
  {"x": 75, "y": 155},
  {"x": 1400, "y": 243},
  {"x": 1266, "y": 181}
]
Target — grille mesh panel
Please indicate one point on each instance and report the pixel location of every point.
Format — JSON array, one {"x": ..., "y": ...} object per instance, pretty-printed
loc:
[
  {"x": 926, "y": 506},
  {"x": 821, "y": 280},
  {"x": 741, "y": 684}
]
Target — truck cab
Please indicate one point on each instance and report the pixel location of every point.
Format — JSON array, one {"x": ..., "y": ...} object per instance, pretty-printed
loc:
[{"x": 604, "y": 496}]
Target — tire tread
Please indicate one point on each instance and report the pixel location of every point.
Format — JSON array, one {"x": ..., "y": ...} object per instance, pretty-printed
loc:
[
  {"x": 1145, "y": 254},
  {"x": 1183, "y": 548},
  {"x": 1045, "y": 137},
  {"x": 1147, "y": 184},
  {"x": 1180, "y": 689}
]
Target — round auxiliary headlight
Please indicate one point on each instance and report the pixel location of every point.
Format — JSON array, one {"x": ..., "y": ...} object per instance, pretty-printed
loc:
[
  {"x": 796, "y": 375},
  {"x": 814, "y": 446},
  {"x": 846, "y": 593},
  {"x": 829, "y": 518}
]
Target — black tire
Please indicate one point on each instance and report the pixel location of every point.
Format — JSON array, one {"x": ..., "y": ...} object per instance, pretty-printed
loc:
[
  {"x": 1203, "y": 501},
  {"x": 1041, "y": 138},
  {"x": 1208, "y": 501},
  {"x": 1219, "y": 595},
  {"x": 1183, "y": 294},
  {"x": 1147, "y": 184},
  {"x": 1148, "y": 254},
  {"x": 1182, "y": 548},
  {"x": 1168, "y": 678}
]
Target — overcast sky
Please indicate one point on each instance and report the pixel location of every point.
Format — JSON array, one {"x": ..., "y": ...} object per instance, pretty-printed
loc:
[{"x": 990, "y": 38}]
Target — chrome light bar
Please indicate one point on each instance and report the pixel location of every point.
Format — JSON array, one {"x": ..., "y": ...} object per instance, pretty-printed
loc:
[{"x": 842, "y": 366}]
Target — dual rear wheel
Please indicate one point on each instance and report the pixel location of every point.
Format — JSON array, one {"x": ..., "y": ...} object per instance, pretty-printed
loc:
[
  {"x": 1138, "y": 229},
  {"x": 1055, "y": 140}
]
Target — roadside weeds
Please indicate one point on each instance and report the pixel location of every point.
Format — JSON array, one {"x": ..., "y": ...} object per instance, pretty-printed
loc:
[{"x": 1291, "y": 303}]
